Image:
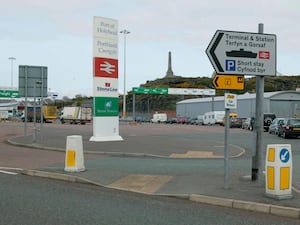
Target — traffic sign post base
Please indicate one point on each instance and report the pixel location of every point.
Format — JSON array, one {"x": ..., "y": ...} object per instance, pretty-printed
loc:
[
  {"x": 74, "y": 161},
  {"x": 279, "y": 171}
]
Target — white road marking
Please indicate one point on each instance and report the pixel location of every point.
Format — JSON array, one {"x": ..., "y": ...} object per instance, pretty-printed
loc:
[
  {"x": 10, "y": 168},
  {"x": 6, "y": 172}
]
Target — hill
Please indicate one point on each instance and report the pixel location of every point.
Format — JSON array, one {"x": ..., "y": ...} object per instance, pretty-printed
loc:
[{"x": 150, "y": 103}]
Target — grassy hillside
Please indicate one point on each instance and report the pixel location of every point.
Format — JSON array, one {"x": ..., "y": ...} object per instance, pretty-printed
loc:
[{"x": 168, "y": 102}]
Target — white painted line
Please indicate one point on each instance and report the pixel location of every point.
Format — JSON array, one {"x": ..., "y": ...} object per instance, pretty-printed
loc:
[
  {"x": 10, "y": 168},
  {"x": 6, "y": 172}
]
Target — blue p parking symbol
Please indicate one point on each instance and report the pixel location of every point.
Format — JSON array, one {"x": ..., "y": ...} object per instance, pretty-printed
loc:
[{"x": 230, "y": 65}]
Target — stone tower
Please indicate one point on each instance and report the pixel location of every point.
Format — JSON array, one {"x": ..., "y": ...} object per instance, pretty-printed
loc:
[{"x": 169, "y": 71}]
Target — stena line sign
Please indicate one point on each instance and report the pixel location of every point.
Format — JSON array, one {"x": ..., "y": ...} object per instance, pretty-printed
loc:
[{"x": 105, "y": 80}]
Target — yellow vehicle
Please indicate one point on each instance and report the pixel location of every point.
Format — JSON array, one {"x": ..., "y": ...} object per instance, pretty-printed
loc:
[
  {"x": 231, "y": 115},
  {"x": 49, "y": 113}
]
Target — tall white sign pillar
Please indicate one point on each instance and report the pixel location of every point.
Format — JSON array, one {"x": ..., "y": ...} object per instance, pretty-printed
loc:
[{"x": 105, "y": 80}]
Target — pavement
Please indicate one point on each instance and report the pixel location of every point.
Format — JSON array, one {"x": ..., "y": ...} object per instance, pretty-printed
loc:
[{"x": 157, "y": 159}]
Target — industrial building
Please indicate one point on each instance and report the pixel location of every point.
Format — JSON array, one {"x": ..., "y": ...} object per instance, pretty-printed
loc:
[{"x": 282, "y": 103}]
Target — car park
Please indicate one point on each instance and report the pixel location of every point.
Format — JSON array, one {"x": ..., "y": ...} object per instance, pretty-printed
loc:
[
  {"x": 273, "y": 128},
  {"x": 289, "y": 127}
]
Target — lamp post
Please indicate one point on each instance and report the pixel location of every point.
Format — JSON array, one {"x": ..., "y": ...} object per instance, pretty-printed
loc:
[
  {"x": 12, "y": 66},
  {"x": 124, "y": 95}
]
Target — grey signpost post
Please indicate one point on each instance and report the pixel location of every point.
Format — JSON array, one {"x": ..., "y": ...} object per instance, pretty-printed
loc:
[
  {"x": 257, "y": 159},
  {"x": 29, "y": 78}
]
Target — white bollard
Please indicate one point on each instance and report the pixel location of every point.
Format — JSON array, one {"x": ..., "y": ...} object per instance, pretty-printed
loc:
[
  {"x": 74, "y": 154},
  {"x": 279, "y": 170}
]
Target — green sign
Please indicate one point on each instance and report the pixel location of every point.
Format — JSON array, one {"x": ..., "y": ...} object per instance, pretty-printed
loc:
[
  {"x": 9, "y": 94},
  {"x": 154, "y": 91},
  {"x": 105, "y": 106}
]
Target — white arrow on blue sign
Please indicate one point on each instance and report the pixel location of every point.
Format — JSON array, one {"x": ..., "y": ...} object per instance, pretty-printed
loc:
[{"x": 284, "y": 155}]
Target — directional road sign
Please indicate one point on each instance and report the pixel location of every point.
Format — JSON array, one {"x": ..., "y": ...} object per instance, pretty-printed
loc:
[
  {"x": 228, "y": 82},
  {"x": 233, "y": 52},
  {"x": 174, "y": 91},
  {"x": 158, "y": 91},
  {"x": 284, "y": 155},
  {"x": 9, "y": 93}
]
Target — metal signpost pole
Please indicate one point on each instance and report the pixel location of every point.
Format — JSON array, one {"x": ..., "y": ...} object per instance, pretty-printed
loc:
[
  {"x": 226, "y": 164},
  {"x": 34, "y": 114},
  {"x": 26, "y": 95},
  {"x": 133, "y": 106},
  {"x": 41, "y": 104},
  {"x": 230, "y": 101},
  {"x": 12, "y": 68},
  {"x": 124, "y": 94},
  {"x": 257, "y": 159}
]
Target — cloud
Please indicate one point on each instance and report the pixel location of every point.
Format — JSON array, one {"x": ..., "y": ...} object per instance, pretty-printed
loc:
[{"x": 58, "y": 33}]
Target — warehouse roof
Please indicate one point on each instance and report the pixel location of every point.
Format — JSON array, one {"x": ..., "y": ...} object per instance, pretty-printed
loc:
[{"x": 267, "y": 95}]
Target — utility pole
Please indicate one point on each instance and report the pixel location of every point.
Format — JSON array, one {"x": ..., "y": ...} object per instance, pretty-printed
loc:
[
  {"x": 12, "y": 69},
  {"x": 258, "y": 153},
  {"x": 124, "y": 92}
]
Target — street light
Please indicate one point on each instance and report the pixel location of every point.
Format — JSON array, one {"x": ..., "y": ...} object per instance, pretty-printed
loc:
[
  {"x": 124, "y": 95},
  {"x": 12, "y": 66}
]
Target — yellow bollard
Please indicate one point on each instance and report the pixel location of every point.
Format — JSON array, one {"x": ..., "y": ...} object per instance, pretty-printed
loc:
[
  {"x": 279, "y": 171},
  {"x": 74, "y": 161}
]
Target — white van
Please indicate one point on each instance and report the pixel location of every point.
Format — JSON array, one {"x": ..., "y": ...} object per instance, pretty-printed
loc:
[
  {"x": 159, "y": 118},
  {"x": 213, "y": 117},
  {"x": 200, "y": 119}
]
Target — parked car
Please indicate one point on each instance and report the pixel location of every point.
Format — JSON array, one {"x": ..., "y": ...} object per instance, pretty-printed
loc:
[
  {"x": 268, "y": 118},
  {"x": 235, "y": 122},
  {"x": 289, "y": 127},
  {"x": 273, "y": 128},
  {"x": 248, "y": 123},
  {"x": 199, "y": 120},
  {"x": 231, "y": 115},
  {"x": 191, "y": 121},
  {"x": 140, "y": 119},
  {"x": 171, "y": 120},
  {"x": 181, "y": 120}
]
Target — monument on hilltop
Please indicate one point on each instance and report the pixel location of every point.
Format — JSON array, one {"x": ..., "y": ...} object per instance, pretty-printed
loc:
[{"x": 169, "y": 71}]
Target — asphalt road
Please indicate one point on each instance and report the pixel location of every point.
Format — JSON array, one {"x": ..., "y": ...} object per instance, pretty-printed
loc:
[
  {"x": 30, "y": 200},
  {"x": 202, "y": 176}
]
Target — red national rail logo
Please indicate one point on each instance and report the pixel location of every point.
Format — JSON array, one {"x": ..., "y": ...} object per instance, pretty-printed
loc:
[
  {"x": 104, "y": 67},
  {"x": 264, "y": 55}
]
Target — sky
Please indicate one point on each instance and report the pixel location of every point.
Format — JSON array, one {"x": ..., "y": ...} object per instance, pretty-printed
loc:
[{"x": 59, "y": 34}]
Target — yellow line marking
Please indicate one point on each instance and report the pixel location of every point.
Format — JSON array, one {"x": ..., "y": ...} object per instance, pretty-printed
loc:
[
  {"x": 141, "y": 183},
  {"x": 192, "y": 154}
]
